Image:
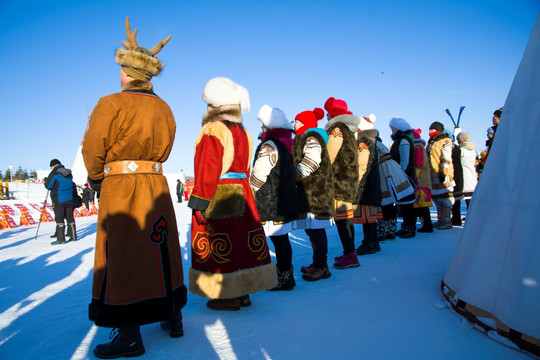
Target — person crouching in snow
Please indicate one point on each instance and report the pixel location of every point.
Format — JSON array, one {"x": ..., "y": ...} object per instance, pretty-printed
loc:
[
  {"x": 314, "y": 188},
  {"x": 439, "y": 149},
  {"x": 368, "y": 198},
  {"x": 341, "y": 129},
  {"x": 273, "y": 181},
  {"x": 229, "y": 254}
]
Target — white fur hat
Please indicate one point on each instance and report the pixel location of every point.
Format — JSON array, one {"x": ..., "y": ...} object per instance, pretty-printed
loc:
[
  {"x": 273, "y": 118},
  {"x": 366, "y": 123},
  {"x": 220, "y": 91},
  {"x": 400, "y": 124}
]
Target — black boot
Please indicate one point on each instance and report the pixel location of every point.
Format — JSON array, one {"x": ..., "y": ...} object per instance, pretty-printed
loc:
[
  {"x": 174, "y": 326},
  {"x": 426, "y": 215},
  {"x": 60, "y": 236},
  {"x": 456, "y": 213},
  {"x": 285, "y": 280},
  {"x": 72, "y": 232},
  {"x": 370, "y": 245},
  {"x": 126, "y": 342},
  {"x": 408, "y": 232},
  {"x": 55, "y": 235}
]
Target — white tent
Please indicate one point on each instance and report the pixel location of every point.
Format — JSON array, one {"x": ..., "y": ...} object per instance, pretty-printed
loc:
[
  {"x": 78, "y": 170},
  {"x": 494, "y": 276}
]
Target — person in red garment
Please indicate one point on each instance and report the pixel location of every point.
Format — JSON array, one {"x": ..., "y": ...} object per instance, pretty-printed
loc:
[{"x": 230, "y": 255}]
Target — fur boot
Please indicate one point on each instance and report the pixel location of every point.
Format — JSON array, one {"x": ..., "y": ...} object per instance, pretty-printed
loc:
[
  {"x": 285, "y": 279},
  {"x": 447, "y": 219}
]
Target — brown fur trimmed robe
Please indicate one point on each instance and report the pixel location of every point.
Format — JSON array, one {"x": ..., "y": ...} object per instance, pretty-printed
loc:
[
  {"x": 138, "y": 277},
  {"x": 229, "y": 253}
]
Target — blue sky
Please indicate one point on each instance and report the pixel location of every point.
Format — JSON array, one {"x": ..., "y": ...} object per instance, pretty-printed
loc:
[{"x": 392, "y": 58}]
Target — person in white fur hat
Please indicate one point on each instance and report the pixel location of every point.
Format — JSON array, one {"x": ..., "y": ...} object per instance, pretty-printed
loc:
[
  {"x": 273, "y": 182},
  {"x": 402, "y": 151},
  {"x": 230, "y": 256}
]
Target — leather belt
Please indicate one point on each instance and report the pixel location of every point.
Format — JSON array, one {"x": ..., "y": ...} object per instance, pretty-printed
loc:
[
  {"x": 133, "y": 167},
  {"x": 384, "y": 158}
]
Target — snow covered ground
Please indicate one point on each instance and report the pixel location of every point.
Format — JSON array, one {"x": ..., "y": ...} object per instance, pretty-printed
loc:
[{"x": 388, "y": 308}]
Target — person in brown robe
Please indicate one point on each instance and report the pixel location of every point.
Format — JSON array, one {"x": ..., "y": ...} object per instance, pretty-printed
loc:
[{"x": 138, "y": 277}]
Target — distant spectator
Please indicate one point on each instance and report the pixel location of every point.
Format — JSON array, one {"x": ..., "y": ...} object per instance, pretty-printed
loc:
[
  {"x": 86, "y": 196},
  {"x": 179, "y": 190},
  {"x": 60, "y": 183},
  {"x": 490, "y": 137}
]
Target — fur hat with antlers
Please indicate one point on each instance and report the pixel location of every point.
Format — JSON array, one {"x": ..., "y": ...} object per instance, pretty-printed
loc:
[{"x": 137, "y": 61}]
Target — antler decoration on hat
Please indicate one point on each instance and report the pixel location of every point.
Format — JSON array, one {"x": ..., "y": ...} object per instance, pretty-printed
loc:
[
  {"x": 160, "y": 45},
  {"x": 131, "y": 44},
  {"x": 137, "y": 61}
]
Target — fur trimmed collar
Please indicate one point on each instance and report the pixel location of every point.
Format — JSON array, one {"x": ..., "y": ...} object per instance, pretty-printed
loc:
[
  {"x": 468, "y": 145},
  {"x": 370, "y": 134},
  {"x": 283, "y": 135},
  {"x": 229, "y": 113},
  {"x": 138, "y": 84},
  {"x": 352, "y": 122}
]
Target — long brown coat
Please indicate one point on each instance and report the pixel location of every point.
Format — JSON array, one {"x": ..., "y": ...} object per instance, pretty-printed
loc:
[{"x": 138, "y": 275}]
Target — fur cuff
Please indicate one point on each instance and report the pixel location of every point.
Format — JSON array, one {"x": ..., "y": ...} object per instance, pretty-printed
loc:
[{"x": 231, "y": 285}]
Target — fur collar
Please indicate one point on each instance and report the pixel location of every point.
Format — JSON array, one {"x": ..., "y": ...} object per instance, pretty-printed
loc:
[
  {"x": 223, "y": 113},
  {"x": 370, "y": 134},
  {"x": 468, "y": 145},
  {"x": 138, "y": 84},
  {"x": 283, "y": 135},
  {"x": 352, "y": 121}
]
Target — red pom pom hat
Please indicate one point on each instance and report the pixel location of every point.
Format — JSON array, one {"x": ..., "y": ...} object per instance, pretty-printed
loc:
[
  {"x": 336, "y": 107},
  {"x": 310, "y": 119}
]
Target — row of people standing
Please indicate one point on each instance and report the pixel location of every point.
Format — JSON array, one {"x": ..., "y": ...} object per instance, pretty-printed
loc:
[{"x": 138, "y": 277}]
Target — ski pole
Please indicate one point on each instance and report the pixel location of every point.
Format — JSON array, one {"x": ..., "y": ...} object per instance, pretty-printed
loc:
[{"x": 41, "y": 215}]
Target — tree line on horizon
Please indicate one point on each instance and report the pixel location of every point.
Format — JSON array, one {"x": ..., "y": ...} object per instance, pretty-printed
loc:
[{"x": 19, "y": 174}]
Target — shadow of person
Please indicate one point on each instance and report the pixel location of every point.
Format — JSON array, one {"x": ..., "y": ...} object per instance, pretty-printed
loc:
[{"x": 138, "y": 276}]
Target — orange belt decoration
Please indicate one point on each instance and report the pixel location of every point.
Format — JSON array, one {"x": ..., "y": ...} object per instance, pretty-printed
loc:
[{"x": 133, "y": 167}]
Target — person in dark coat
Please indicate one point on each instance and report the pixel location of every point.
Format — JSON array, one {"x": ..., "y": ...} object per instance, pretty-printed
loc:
[
  {"x": 273, "y": 182},
  {"x": 60, "y": 184},
  {"x": 86, "y": 196},
  {"x": 179, "y": 190}
]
